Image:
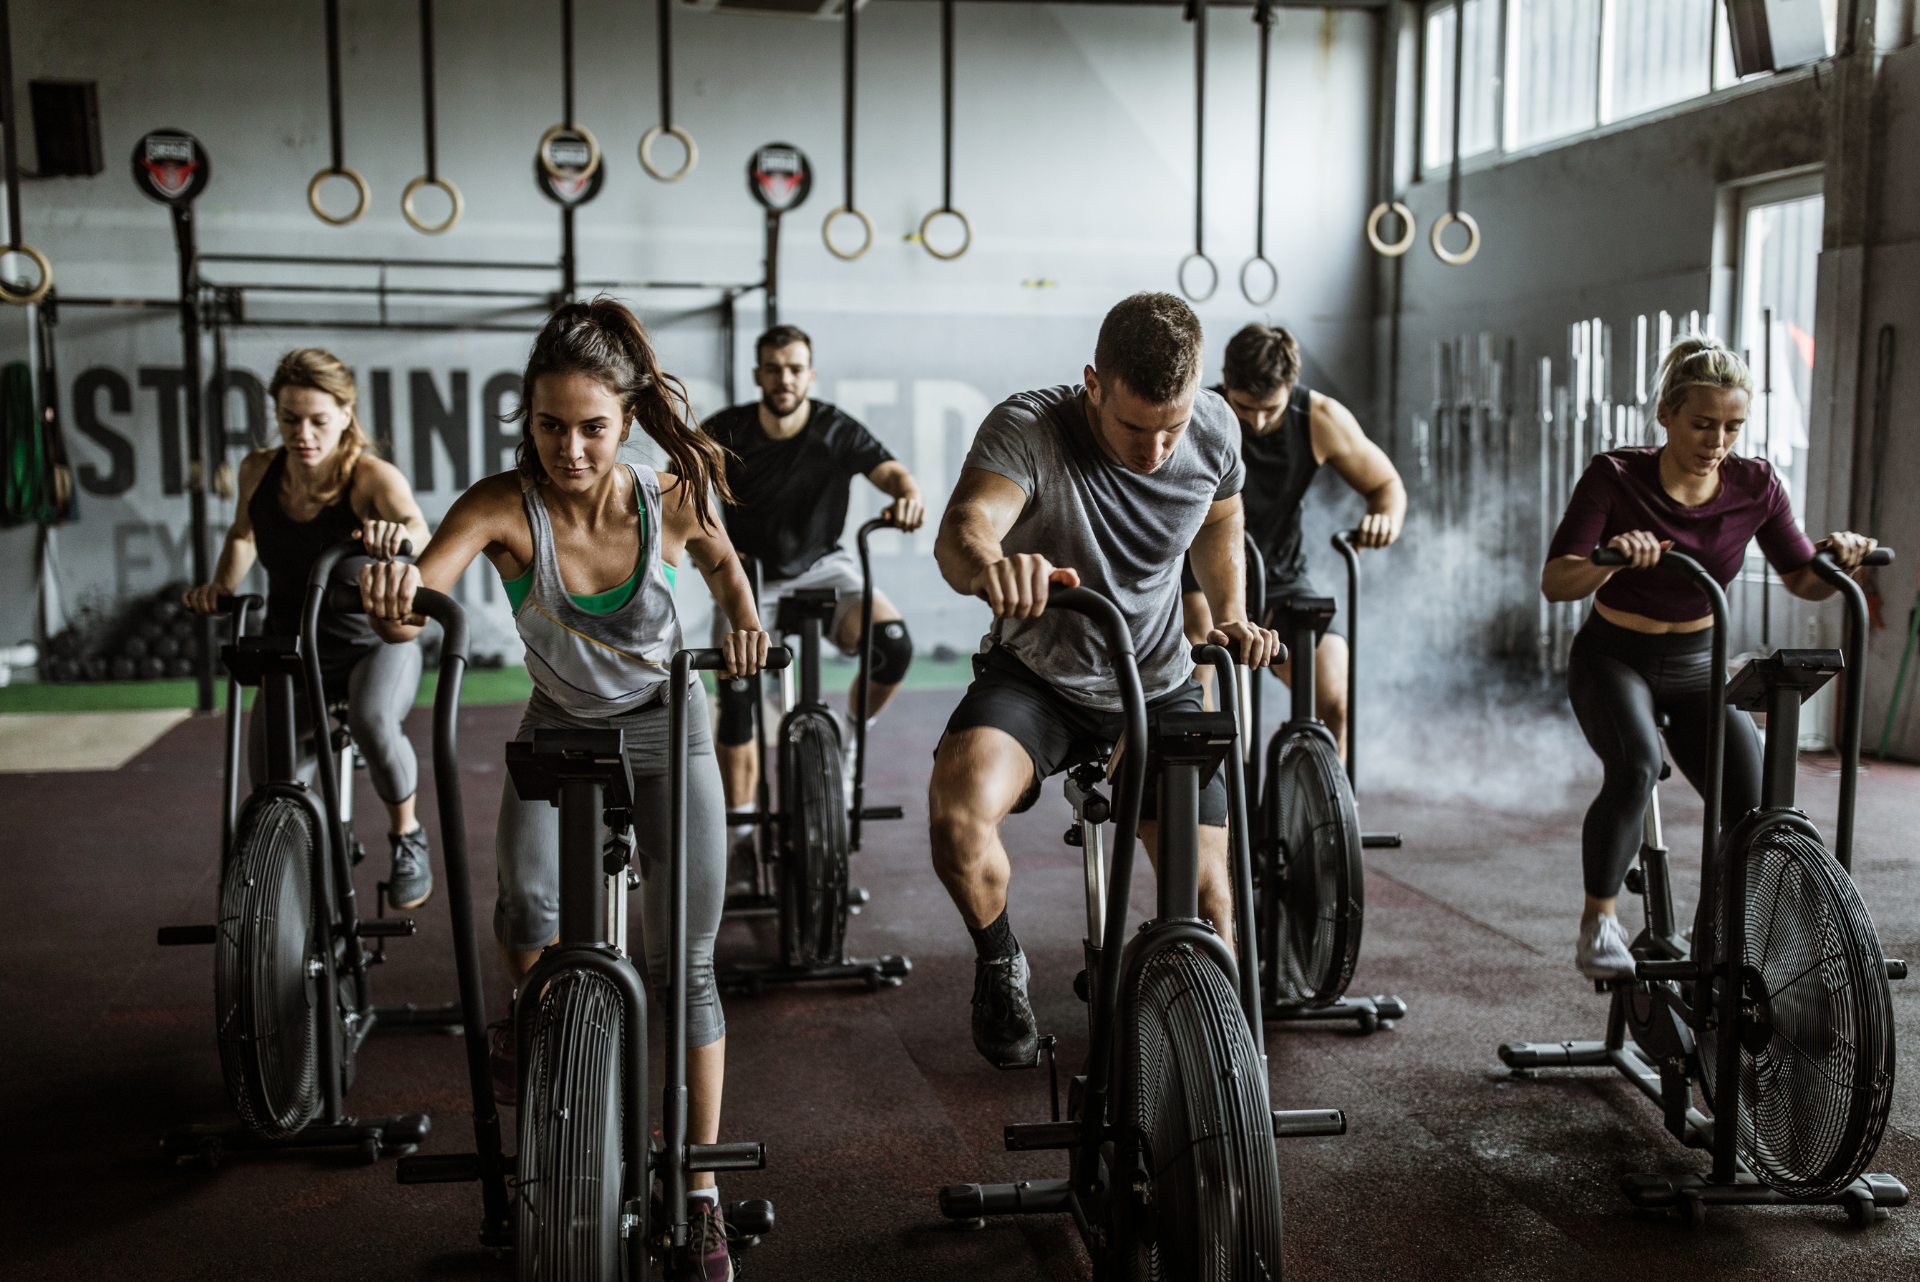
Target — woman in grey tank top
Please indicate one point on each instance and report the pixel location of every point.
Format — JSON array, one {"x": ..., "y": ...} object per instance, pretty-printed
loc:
[{"x": 586, "y": 547}]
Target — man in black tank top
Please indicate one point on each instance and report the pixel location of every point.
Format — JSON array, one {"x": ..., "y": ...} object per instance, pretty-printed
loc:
[{"x": 1286, "y": 432}]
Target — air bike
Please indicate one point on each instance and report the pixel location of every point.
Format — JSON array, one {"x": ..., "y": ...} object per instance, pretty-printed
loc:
[
  {"x": 1776, "y": 1002},
  {"x": 800, "y": 872},
  {"x": 1169, "y": 1135},
  {"x": 292, "y": 996},
  {"x": 1310, "y": 880},
  {"x": 597, "y": 1200}
]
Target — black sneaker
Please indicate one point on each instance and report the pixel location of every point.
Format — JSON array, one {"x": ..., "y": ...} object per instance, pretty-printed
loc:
[
  {"x": 1003, "y": 1024},
  {"x": 412, "y": 881}
]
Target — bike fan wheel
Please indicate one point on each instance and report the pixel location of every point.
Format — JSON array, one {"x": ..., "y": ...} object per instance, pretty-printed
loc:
[
  {"x": 569, "y": 1203},
  {"x": 1198, "y": 1151},
  {"x": 1313, "y": 897},
  {"x": 266, "y": 1000},
  {"x": 1816, "y": 1027},
  {"x": 813, "y": 873}
]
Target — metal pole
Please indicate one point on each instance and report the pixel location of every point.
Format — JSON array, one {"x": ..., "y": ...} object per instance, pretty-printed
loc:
[{"x": 183, "y": 240}]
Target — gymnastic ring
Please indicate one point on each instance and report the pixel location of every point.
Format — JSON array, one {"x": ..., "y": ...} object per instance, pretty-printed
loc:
[
  {"x": 406, "y": 204},
  {"x": 654, "y": 135},
  {"x": 965, "y": 225},
  {"x": 1391, "y": 249},
  {"x": 1446, "y": 255},
  {"x": 1198, "y": 298},
  {"x": 39, "y": 291},
  {"x": 1247, "y": 293},
  {"x": 559, "y": 171},
  {"x": 826, "y": 233},
  {"x": 360, "y": 185}
]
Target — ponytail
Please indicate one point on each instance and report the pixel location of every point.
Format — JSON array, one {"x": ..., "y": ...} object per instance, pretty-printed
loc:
[
  {"x": 1697, "y": 361},
  {"x": 606, "y": 342}
]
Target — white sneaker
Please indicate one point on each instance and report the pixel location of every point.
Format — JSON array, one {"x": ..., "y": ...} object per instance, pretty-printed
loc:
[{"x": 1602, "y": 951}]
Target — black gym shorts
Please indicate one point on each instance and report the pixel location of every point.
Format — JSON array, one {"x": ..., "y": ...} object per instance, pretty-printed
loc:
[{"x": 1059, "y": 733}]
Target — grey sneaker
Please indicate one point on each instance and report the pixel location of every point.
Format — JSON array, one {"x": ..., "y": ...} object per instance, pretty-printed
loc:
[
  {"x": 1602, "y": 951},
  {"x": 412, "y": 881},
  {"x": 1004, "y": 1030}
]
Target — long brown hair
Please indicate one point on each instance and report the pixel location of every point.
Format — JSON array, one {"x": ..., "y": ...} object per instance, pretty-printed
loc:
[
  {"x": 606, "y": 342},
  {"x": 319, "y": 370}
]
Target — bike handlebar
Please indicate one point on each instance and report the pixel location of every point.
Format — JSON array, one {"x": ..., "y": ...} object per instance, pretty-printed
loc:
[
  {"x": 1232, "y": 648},
  {"x": 238, "y": 603},
  {"x": 716, "y": 660},
  {"x": 344, "y": 598},
  {"x": 1854, "y": 690}
]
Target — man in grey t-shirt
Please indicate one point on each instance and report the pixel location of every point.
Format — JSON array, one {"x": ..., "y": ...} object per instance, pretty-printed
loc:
[{"x": 1104, "y": 485}]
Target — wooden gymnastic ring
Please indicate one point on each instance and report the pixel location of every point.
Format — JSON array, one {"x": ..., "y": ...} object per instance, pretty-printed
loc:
[
  {"x": 654, "y": 135},
  {"x": 352, "y": 176},
  {"x": 826, "y": 233},
  {"x": 1391, "y": 249},
  {"x": 406, "y": 204},
  {"x": 965, "y": 224},
  {"x": 559, "y": 171},
  {"x": 1184, "y": 262},
  {"x": 1446, "y": 255},
  {"x": 1247, "y": 293},
  {"x": 39, "y": 291}
]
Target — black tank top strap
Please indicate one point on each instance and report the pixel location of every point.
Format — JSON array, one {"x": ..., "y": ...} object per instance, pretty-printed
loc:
[
  {"x": 1280, "y": 469},
  {"x": 288, "y": 549}
]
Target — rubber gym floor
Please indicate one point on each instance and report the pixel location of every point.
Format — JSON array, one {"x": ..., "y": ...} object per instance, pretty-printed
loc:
[{"x": 868, "y": 1103}]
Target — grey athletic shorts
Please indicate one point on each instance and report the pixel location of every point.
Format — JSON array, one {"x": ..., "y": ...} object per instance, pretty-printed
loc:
[{"x": 838, "y": 569}]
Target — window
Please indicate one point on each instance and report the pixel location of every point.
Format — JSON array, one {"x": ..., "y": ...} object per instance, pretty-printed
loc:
[
  {"x": 1780, "y": 235},
  {"x": 1661, "y": 52},
  {"x": 1552, "y": 69},
  {"x": 1479, "y": 72}
]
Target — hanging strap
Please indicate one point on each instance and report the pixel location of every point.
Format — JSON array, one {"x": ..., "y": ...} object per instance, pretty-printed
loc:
[
  {"x": 847, "y": 208},
  {"x": 566, "y": 63},
  {"x": 429, "y": 127},
  {"x": 666, "y": 127},
  {"x": 946, "y": 106},
  {"x": 1262, "y": 18},
  {"x": 15, "y": 245},
  {"x": 1454, "y": 213},
  {"x": 666, "y": 63},
  {"x": 1197, "y": 14},
  {"x": 335, "y": 126}
]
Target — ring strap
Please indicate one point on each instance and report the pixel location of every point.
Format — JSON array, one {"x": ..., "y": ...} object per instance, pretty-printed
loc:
[
  {"x": 335, "y": 127},
  {"x": 666, "y": 62},
  {"x": 7, "y": 127},
  {"x": 946, "y": 106},
  {"x": 566, "y": 61},
  {"x": 1263, "y": 18},
  {"x": 1459, "y": 72},
  {"x": 846, "y": 104},
  {"x": 1198, "y": 12},
  {"x": 426, "y": 90}
]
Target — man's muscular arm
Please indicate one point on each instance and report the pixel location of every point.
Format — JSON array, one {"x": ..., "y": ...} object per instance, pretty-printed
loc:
[
  {"x": 1218, "y": 556},
  {"x": 1364, "y": 466},
  {"x": 983, "y": 508},
  {"x": 908, "y": 510}
]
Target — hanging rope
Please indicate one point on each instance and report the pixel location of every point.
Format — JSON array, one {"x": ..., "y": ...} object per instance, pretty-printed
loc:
[
  {"x": 666, "y": 126},
  {"x": 1383, "y": 183},
  {"x": 1197, "y": 13},
  {"x": 946, "y": 147},
  {"x": 1454, "y": 213},
  {"x": 1262, "y": 18},
  {"x": 846, "y": 208},
  {"x": 432, "y": 177},
  {"x": 338, "y": 169},
  {"x": 566, "y": 161},
  {"x": 19, "y": 298}
]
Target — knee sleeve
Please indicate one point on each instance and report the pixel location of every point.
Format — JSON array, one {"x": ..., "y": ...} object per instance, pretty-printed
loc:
[
  {"x": 736, "y": 710},
  {"x": 892, "y": 652}
]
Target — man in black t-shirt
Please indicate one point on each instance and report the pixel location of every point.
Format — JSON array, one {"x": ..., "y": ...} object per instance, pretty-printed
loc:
[
  {"x": 791, "y": 466},
  {"x": 1286, "y": 433}
]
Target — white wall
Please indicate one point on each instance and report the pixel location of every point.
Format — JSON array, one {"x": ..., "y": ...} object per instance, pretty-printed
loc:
[{"x": 1073, "y": 158}]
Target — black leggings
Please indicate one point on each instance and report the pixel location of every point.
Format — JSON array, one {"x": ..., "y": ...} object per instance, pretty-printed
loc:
[{"x": 1618, "y": 679}]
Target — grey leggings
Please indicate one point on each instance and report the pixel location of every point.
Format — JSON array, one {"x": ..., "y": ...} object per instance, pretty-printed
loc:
[
  {"x": 527, "y": 845},
  {"x": 380, "y": 689}
]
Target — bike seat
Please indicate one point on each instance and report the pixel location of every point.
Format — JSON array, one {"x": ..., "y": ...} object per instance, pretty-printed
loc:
[
  {"x": 1205, "y": 738},
  {"x": 556, "y": 756},
  {"x": 251, "y": 658},
  {"x": 1314, "y": 612}
]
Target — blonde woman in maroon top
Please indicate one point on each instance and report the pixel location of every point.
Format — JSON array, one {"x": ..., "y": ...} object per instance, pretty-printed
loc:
[{"x": 1645, "y": 647}]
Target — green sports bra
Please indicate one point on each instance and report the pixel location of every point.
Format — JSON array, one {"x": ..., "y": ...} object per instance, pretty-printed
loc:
[{"x": 598, "y": 603}]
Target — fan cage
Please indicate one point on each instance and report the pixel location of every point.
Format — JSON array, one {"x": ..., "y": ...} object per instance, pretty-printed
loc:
[{"x": 1321, "y": 904}]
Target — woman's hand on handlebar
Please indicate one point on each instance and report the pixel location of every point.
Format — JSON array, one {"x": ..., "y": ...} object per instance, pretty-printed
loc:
[
  {"x": 386, "y": 590},
  {"x": 746, "y": 653},
  {"x": 1016, "y": 587},
  {"x": 1376, "y": 530},
  {"x": 1256, "y": 646},
  {"x": 204, "y": 599},
  {"x": 1848, "y": 549},
  {"x": 1642, "y": 549},
  {"x": 383, "y": 539},
  {"x": 906, "y": 513}
]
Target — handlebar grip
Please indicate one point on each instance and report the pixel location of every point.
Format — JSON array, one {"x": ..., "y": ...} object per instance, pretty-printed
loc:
[
  {"x": 343, "y": 598},
  {"x": 714, "y": 660},
  {"x": 1879, "y": 556},
  {"x": 1609, "y": 556},
  {"x": 1232, "y": 648},
  {"x": 240, "y": 601}
]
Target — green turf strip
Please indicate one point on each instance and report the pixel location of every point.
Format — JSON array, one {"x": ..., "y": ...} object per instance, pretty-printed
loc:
[{"x": 501, "y": 685}]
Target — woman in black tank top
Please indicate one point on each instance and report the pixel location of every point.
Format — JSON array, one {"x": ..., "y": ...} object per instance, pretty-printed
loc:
[{"x": 321, "y": 486}]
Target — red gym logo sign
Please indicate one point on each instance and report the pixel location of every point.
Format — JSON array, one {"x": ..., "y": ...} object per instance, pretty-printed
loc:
[
  {"x": 567, "y": 167},
  {"x": 171, "y": 166},
  {"x": 779, "y": 177}
]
